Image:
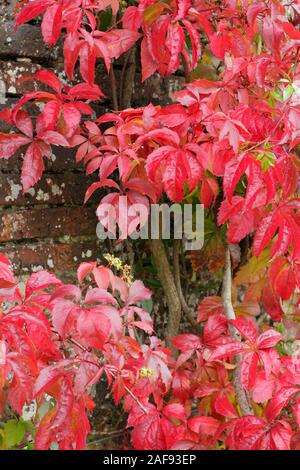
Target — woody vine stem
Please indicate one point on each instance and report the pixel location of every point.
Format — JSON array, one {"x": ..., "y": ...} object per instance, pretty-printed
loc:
[{"x": 240, "y": 393}]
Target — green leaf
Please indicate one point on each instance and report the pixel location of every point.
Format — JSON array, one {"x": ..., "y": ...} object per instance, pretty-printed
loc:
[
  {"x": 30, "y": 446},
  {"x": 259, "y": 43},
  {"x": 153, "y": 284},
  {"x": 14, "y": 432},
  {"x": 147, "y": 305},
  {"x": 287, "y": 92},
  {"x": 266, "y": 159},
  {"x": 277, "y": 95},
  {"x": 2, "y": 440}
]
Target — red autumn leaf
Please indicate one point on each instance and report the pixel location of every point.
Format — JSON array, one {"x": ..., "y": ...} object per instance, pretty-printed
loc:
[
  {"x": 226, "y": 350},
  {"x": 50, "y": 375},
  {"x": 209, "y": 306},
  {"x": 268, "y": 339},
  {"x": 209, "y": 192},
  {"x": 282, "y": 277},
  {"x": 51, "y": 114},
  {"x": 34, "y": 9},
  {"x": 39, "y": 281},
  {"x": 147, "y": 430},
  {"x": 137, "y": 293},
  {"x": 119, "y": 41},
  {"x": 203, "y": 424},
  {"x": 247, "y": 328},
  {"x": 149, "y": 66},
  {"x": 10, "y": 143},
  {"x": 71, "y": 116},
  {"x": 181, "y": 384},
  {"x": 175, "y": 411},
  {"x": 214, "y": 329},
  {"x": 20, "y": 390},
  {"x": 33, "y": 166},
  {"x": 271, "y": 302},
  {"x": 52, "y": 24},
  {"x": 23, "y": 122},
  {"x": 85, "y": 269},
  {"x": 187, "y": 342},
  {"x": 94, "y": 327},
  {"x": 54, "y": 138},
  {"x": 99, "y": 295},
  {"x": 280, "y": 400},
  {"x": 176, "y": 168},
  {"x": 49, "y": 77},
  {"x": 263, "y": 388},
  {"x": 260, "y": 350},
  {"x": 253, "y": 433},
  {"x": 224, "y": 407},
  {"x": 56, "y": 420},
  {"x": 6, "y": 274},
  {"x": 174, "y": 42},
  {"x": 296, "y": 411}
]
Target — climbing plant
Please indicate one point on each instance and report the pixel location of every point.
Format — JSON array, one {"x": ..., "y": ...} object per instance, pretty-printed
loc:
[{"x": 230, "y": 141}]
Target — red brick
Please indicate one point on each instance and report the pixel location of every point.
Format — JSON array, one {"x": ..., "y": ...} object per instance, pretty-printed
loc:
[
  {"x": 53, "y": 189},
  {"x": 11, "y": 72},
  {"x": 47, "y": 223},
  {"x": 52, "y": 256},
  {"x": 25, "y": 42}
]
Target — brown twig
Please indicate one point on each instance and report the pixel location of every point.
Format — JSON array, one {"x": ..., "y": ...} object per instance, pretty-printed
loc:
[
  {"x": 136, "y": 399},
  {"x": 130, "y": 252},
  {"x": 168, "y": 283},
  {"x": 185, "y": 69},
  {"x": 105, "y": 433},
  {"x": 176, "y": 269},
  {"x": 127, "y": 79},
  {"x": 113, "y": 88},
  {"x": 122, "y": 79},
  {"x": 107, "y": 437},
  {"x": 83, "y": 348},
  {"x": 80, "y": 346},
  {"x": 241, "y": 395}
]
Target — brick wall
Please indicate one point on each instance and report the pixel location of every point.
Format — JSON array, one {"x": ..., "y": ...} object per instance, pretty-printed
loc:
[{"x": 49, "y": 227}]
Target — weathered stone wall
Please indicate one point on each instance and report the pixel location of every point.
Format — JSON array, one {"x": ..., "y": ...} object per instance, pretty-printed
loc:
[{"x": 49, "y": 227}]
